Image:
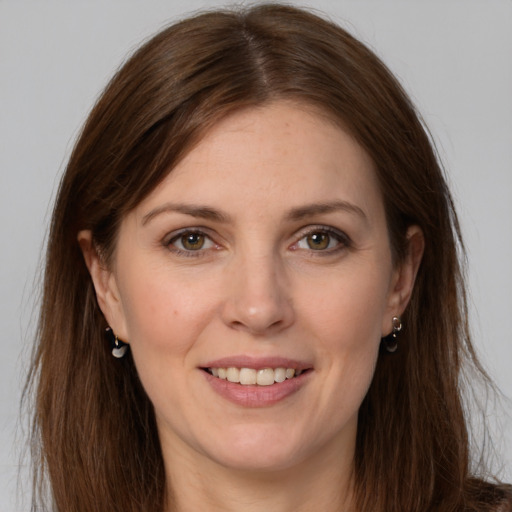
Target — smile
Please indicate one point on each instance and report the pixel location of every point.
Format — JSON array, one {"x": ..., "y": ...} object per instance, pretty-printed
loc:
[{"x": 251, "y": 376}]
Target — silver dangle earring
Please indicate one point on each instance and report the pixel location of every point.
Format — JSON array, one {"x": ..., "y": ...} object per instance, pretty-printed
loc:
[
  {"x": 390, "y": 342},
  {"x": 118, "y": 347}
]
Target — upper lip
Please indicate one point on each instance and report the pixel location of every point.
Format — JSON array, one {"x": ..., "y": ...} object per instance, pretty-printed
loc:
[{"x": 257, "y": 363}]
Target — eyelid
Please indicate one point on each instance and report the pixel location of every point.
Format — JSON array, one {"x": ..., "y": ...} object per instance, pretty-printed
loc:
[
  {"x": 170, "y": 238},
  {"x": 343, "y": 239}
]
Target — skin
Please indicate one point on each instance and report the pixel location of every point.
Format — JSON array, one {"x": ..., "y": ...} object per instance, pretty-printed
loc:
[{"x": 259, "y": 286}]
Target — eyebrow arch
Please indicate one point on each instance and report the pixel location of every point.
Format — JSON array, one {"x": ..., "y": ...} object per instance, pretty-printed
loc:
[
  {"x": 329, "y": 207},
  {"x": 200, "y": 212},
  {"x": 296, "y": 214}
]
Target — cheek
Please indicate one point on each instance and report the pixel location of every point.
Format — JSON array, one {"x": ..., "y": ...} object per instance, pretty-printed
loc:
[
  {"x": 348, "y": 333},
  {"x": 164, "y": 320},
  {"x": 164, "y": 314},
  {"x": 348, "y": 307},
  {"x": 346, "y": 321}
]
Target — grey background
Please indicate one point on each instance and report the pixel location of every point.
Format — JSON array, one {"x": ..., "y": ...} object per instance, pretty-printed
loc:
[{"x": 453, "y": 56}]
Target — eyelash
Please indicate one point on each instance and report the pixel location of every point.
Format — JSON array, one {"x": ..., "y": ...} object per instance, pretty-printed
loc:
[
  {"x": 342, "y": 239},
  {"x": 169, "y": 243}
]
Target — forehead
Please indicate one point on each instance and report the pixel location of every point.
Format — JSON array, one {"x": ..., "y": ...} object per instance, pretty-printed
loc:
[{"x": 277, "y": 155}]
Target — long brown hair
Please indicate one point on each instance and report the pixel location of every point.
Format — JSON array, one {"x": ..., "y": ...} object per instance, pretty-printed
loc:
[{"x": 94, "y": 431}]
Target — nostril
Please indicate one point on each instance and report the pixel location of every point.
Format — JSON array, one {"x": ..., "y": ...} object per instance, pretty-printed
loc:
[
  {"x": 257, "y": 327},
  {"x": 257, "y": 310}
]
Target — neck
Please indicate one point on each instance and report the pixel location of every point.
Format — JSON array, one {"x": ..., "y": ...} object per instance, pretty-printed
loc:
[{"x": 323, "y": 482}]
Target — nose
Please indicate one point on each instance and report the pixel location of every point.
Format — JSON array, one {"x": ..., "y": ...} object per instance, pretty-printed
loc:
[{"x": 259, "y": 300}]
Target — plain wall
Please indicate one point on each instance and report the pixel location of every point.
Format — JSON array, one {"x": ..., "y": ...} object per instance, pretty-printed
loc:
[{"x": 454, "y": 58}]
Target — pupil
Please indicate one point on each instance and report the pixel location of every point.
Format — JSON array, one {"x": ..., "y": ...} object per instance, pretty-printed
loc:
[
  {"x": 318, "y": 241},
  {"x": 193, "y": 241}
]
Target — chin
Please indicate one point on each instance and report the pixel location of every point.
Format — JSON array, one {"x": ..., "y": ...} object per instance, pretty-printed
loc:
[{"x": 264, "y": 450}]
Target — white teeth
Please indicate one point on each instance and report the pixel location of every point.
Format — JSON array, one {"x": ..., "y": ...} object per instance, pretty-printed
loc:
[
  {"x": 233, "y": 374},
  {"x": 247, "y": 376},
  {"x": 265, "y": 377},
  {"x": 250, "y": 376},
  {"x": 280, "y": 374}
]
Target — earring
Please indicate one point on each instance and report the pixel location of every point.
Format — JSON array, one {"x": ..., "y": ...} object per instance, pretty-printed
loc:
[
  {"x": 119, "y": 348},
  {"x": 390, "y": 342}
]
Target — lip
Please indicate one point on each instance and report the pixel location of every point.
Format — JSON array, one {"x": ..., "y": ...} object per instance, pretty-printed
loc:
[
  {"x": 257, "y": 363},
  {"x": 254, "y": 396}
]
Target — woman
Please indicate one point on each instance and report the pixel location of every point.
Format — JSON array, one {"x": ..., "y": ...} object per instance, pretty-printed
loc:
[{"x": 255, "y": 219}]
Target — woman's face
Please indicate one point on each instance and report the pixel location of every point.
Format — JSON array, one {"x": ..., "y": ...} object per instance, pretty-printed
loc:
[{"x": 265, "y": 251}]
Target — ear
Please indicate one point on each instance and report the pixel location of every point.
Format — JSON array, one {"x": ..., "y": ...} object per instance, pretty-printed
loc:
[
  {"x": 404, "y": 276},
  {"x": 105, "y": 285}
]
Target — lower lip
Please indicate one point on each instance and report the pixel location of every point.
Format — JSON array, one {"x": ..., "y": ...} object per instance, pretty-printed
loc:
[{"x": 253, "y": 395}]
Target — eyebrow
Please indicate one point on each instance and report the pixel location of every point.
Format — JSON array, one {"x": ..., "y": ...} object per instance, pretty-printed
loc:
[
  {"x": 322, "y": 208},
  {"x": 296, "y": 214},
  {"x": 201, "y": 212}
]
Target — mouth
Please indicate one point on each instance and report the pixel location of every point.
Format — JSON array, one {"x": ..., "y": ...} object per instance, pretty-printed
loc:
[
  {"x": 255, "y": 377},
  {"x": 257, "y": 382}
]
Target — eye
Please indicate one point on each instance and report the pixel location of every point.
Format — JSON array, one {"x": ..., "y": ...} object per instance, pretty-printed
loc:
[
  {"x": 190, "y": 241},
  {"x": 322, "y": 239},
  {"x": 316, "y": 241}
]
